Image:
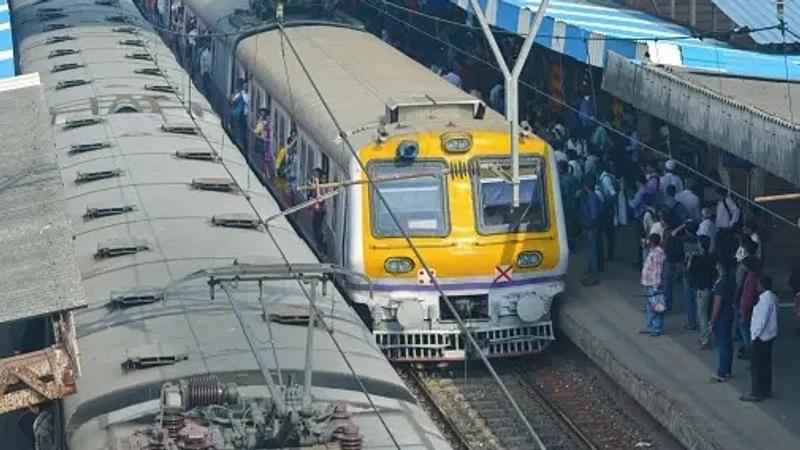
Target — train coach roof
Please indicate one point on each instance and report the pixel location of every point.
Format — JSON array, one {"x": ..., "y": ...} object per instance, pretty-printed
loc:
[
  {"x": 37, "y": 259},
  {"x": 357, "y": 73}
]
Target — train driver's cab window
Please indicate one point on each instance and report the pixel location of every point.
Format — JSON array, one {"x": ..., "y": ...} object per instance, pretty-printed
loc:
[
  {"x": 418, "y": 202},
  {"x": 493, "y": 196}
]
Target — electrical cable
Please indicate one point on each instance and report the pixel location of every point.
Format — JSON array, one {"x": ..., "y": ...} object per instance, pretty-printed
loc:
[
  {"x": 594, "y": 120},
  {"x": 462, "y": 326}
]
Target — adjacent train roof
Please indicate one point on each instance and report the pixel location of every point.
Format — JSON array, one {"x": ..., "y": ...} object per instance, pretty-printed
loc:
[
  {"x": 37, "y": 258},
  {"x": 6, "y": 42}
]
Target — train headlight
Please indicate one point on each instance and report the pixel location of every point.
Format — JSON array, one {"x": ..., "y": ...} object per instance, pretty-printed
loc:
[
  {"x": 456, "y": 142},
  {"x": 399, "y": 264},
  {"x": 527, "y": 260}
]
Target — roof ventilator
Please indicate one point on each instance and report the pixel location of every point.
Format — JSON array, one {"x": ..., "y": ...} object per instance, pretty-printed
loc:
[
  {"x": 214, "y": 184},
  {"x": 78, "y": 123},
  {"x": 202, "y": 155},
  {"x": 49, "y": 9},
  {"x": 135, "y": 297},
  {"x": 139, "y": 56},
  {"x": 126, "y": 30},
  {"x": 153, "y": 359},
  {"x": 132, "y": 42},
  {"x": 44, "y": 16},
  {"x": 119, "y": 19},
  {"x": 106, "y": 2},
  {"x": 106, "y": 211},
  {"x": 180, "y": 129},
  {"x": 248, "y": 221},
  {"x": 155, "y": 71},
  {"x": 114, "y": 248},
  {"x": 85, "y": 177},
  {"x": 62, "y": 52},
  {"x": 65, "y": 67},
  {"x": 58, "y": 39},
  {"x": 83, "y": 148},
  {"x": 70, "y": 83},
  {"x": 161, "y": 88},
  {"x": 290, "y": 319},
  {"x": 55, "y": 26}
]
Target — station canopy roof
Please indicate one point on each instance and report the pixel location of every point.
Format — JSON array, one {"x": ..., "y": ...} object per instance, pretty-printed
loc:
[
  {"x": 588, "y": 30},
  {"x": 756, "y": 14}
]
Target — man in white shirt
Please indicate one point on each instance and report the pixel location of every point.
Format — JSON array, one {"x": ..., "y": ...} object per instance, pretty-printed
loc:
[
  {"x": 763, "y": 330},
  {"x": 670, "y": 178},
  {"x": 690, "y": 201},
  {"x": 728, "y": 216},
  {"x": 707, "y": 226}
]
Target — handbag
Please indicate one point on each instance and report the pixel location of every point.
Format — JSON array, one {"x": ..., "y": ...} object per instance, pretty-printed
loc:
[{"x": 656, "y": 302}]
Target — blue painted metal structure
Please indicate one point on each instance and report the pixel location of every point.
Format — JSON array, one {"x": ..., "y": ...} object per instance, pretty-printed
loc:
[
  {"x": 6, "y": 42},
  {"x": 587, "y": 31},
  {"x": 762, "y": 13}
]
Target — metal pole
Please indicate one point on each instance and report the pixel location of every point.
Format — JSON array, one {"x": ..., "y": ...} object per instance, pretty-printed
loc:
[
  {"x": 512, "y": 83},
  {"x": 308, "y": 372}
]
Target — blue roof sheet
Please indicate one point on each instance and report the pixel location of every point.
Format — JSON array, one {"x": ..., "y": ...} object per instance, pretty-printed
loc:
[
  {"x": 6, "y": 42},
  {"x": 762, "y": 14},
  {"x": 587, "y": 30}
]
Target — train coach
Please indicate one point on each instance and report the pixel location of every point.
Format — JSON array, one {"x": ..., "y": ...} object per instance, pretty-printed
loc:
[
  {"x": 211, "y": 323},
  {"x": 438, "y": 156}
]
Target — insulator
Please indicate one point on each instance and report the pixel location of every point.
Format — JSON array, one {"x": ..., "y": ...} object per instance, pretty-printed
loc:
[
  {"x": 173, "y": 423},
  {"x": 340, "y": 411},
  {"x": 350, "y": 438},
  {"x": 205, "y": 390}
]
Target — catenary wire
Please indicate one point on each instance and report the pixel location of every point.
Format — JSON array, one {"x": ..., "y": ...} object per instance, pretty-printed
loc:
[
  {"x": 462, "y": 326},
  {"x": 317, "y": 313},
  {"x": 595, "y": 121}
]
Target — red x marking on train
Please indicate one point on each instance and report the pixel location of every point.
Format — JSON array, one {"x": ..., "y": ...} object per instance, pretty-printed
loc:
[{"x": 503, "y": 273}]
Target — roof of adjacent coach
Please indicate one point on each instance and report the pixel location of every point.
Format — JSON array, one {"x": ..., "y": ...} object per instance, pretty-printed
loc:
[
  {"x": 171, "y": 222},
  {"x": 357, "y": 74},
  {"x": 216, "y": 14}
]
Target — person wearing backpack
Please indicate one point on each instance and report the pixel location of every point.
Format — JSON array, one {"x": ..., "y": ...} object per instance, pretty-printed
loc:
[
  {"x": 691, "y": 250},
  {"x": 701, "y": 275},
  {"x": 609, "y": 187}
]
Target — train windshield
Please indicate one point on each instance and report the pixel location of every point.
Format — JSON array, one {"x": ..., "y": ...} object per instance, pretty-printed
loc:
[
  {"x": 495, "y": 211},
  {"x": 418, "y": 202}
]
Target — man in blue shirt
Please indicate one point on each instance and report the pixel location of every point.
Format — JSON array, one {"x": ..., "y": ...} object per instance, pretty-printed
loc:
[
  {"x": 591, "y": 211},
  {"x": 721, "y": 321}
]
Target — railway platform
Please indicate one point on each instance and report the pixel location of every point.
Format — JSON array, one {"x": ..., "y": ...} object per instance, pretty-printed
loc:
[{"x": 668, "y": 375}]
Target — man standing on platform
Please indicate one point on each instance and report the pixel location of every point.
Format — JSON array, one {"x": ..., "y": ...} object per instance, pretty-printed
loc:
[
  {"x": 591, "y": 213},
  {"x": 652, "y": 271},
  {"x": 722, "y": 321},
  {"x": 763, "y": 330}
]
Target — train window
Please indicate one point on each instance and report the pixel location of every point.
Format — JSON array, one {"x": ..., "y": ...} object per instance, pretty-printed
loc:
[
  {"x": 419, "y": 203},
  {"x": 493, "y": 200},
  {"x": 325, "y": 166}
]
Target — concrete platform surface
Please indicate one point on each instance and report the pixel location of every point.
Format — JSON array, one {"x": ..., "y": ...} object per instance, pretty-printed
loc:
[{"x": 668, "y": 376}]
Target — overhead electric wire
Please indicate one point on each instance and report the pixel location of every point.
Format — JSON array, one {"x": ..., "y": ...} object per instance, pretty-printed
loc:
[
  {"x": 462, "y": 326},
  {"x": 317, "y": 313},
  {"x": 593, "y": 119}
]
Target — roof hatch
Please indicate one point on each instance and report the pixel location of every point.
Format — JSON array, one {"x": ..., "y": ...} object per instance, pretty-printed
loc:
[
  {"x": 161, "y": 88},
  {"x": 132, "y": 42},
  {"x": 85, "y": 177},
  {"x": 201, "y": 154},
  {"x": 78, "y": 123},
  {"x": 96, "y": 212},
  {"x": 214, "y": 184},
  {"x": 179, "y": 128},
  {"x": 148, "y": 71},
  {"x": 65, "y": 67},
  {"x": 153, "y": 356},
  {"x": 139, "y": 56},
  {"x": 62, "y": 52},
  {"x": 70, "y": 83},
  {"x": 57, "y": 39},
  {"x": 236, "y": 221},
  {"x": 120, "y": 247},
  {"x": 143, "y": 295},
  {"x": 83, "y": 148}
]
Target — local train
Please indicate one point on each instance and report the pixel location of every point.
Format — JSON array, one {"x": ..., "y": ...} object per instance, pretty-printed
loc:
[
  {"x": 211, "y": 324},
  {"x": 441, "y": 160}
]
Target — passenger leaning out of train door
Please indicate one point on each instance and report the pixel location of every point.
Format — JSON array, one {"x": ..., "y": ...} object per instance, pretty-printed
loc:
[
  {"x": 318, "y": 209},
  {"x": 238, "y": 112},
  {"x": 263, "y": 131},
  {"x": 286, "y": 164}
]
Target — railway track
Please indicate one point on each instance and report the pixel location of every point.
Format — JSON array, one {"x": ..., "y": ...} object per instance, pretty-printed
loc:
[{"x": 569, "y": 403}]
